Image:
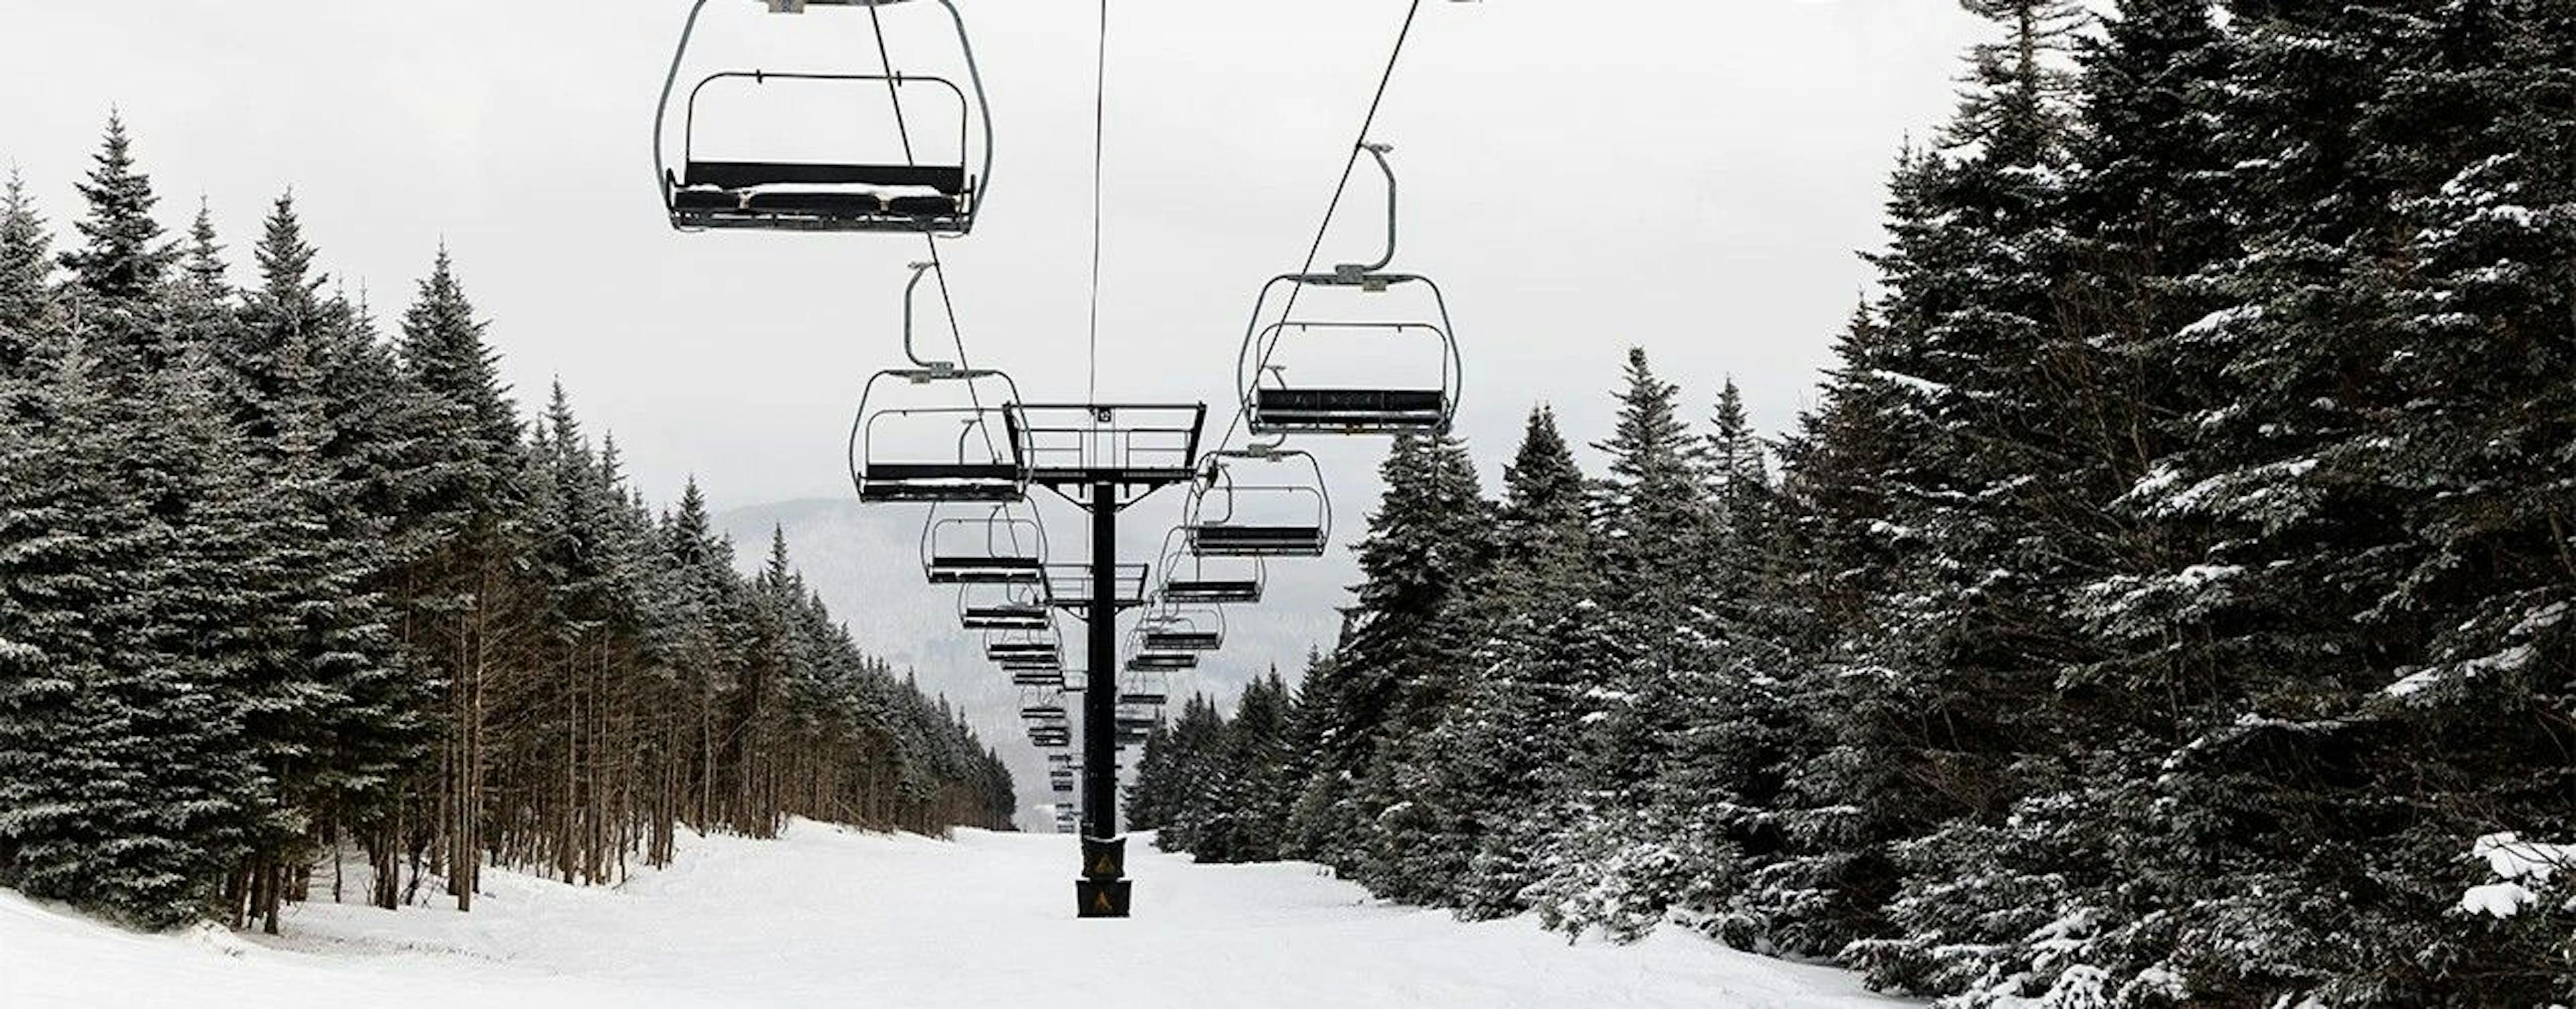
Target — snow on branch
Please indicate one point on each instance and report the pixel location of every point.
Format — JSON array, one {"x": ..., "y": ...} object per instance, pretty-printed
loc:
[{"x": 2522, "y": 869}]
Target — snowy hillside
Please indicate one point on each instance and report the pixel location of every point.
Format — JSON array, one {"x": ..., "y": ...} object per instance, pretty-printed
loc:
[
  {"x": 827, "y": 917},
  {"x": 866, "y": 563}
]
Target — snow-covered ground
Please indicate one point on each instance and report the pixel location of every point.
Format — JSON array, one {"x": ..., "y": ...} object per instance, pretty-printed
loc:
[{"x": 826, "y": 917}]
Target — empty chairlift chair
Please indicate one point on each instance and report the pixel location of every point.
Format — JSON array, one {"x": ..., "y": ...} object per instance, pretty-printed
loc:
[
  {"x": 935, "y": 431},
  {"x": 1144, "y": 690},
  {"x": 993, "y": 549},
  {"x": 916, "y": 176},
  {"x": 1042, "y": 708},
  {"x": 1002, "y": 608},
  {"x": 1178, "y": 629},
  {"x": 1325, "y": 352},
  {"x": 1193, "y": 580},
  {"x": 1031, "y": 650},
  {"x": 1259, "y": 502},
  {"x": 1162, "y": 662}
]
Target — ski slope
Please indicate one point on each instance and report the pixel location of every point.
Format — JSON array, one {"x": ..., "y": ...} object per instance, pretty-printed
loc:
[{"x": 826, "y": 917}]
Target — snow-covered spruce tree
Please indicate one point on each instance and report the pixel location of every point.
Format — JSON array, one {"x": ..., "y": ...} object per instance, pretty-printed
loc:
[
  {"x": 1828, "y": 883},
  {"x": 1396, "y": 669},
  {"x": 201, "y": 297},
  {"x": 1499, "y": 753},
  {"x": 1612, "y": 865},
  {"x": 703, "y": 562},
  {"x": 1314, "y": 816},
  {"x": 122, "y": 261},
  {"x": 27, "y": 297},
  {"x": 1202, "y": 777},
  {"x": 1258, "y": 740},
  {"x": 458, "y": 587},
  {"x": 1946, "y": 715},
  {"x": 1729, "y": 741},
  {"x": 2483, "y": 446},
  {"x": 1149, "y": 798},
  {"x": 124, "y": 785},
  {"x": 343, "y": 725},
  {"x": 2383, "y": 408}
]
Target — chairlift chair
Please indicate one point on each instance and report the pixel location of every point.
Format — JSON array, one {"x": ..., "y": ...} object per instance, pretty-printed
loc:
[
  {"x": 1145, "y": 690},
  {"x": 985, "y": 607},
  {"x": 1024, "y": 646},
  {"x": 1189, "y": 578},
  {"x": 1162, "y": 662},
  {"x": 994, "y": 548},
  {"x": 1182, "y": 629},
  {"x": 948, "y": 437},
  {"x": 1263, "y": 501},
  {"x": 938, "y": 192},
  {"x": 1047, "y": 679},
  {"x": 1274, "y": 365}
]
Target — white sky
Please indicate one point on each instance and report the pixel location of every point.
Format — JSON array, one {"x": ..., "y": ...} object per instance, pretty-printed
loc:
[{"x": 1690, "y": 175}]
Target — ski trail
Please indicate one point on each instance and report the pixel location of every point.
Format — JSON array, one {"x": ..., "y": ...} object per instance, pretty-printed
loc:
[{"x": 825, "y": 917}]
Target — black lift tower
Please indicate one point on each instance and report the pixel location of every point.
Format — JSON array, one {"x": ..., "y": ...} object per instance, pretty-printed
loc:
[{"x": 1103, "y": 457}]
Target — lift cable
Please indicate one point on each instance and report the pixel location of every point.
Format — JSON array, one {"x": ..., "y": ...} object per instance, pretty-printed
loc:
[
  {"x": 1340, "y": 188},
  {"x": 948, "y": 304},
  {"x": 876, "y": 22}
]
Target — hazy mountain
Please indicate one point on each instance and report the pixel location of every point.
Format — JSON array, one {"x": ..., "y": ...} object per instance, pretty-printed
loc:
[{"x": 866, "y": 563}]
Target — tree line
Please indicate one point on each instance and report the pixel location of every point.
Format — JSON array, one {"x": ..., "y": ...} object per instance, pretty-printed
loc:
[
  {"x": 2172, "y": 584},
  {"x": 287, "y": 603}
]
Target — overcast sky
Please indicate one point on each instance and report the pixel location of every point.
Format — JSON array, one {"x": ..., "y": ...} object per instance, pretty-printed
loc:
[{"x": 1690, "y": 175}]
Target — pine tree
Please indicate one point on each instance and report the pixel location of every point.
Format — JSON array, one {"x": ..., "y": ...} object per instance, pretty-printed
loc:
[
  {"x": 1426, "y": 548},
  {"x": 1502, "y": 747},
  {"x": 121, "y": 778},
  {"x": 26, "y": 274},
  {"x": 201, "y": 297},
  {"x": 118, "y": 271},
  {"x": 1651, "y": 521}
]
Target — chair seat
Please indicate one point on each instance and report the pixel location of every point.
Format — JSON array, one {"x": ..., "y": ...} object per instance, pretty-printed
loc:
[
  {"x": 1349, "y": 409},
  {"x": 793, "y": 196},
  {"x": 973, "y": 482},
  {"x": 823, "y": 203},
  {"x": 1003, "y": 618},
  {"x": 1233, "y": 540},
  {"x": 946, "y": 179},
  {"x": 1213, "y": 590},
  {"x": 984, "y": 570}
]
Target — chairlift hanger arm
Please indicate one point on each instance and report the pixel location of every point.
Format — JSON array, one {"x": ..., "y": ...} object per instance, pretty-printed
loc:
[{"x": 1355, "y": 271}]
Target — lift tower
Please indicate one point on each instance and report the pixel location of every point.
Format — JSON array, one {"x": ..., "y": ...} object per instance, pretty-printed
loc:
[{"x": 1102, "y": 458}]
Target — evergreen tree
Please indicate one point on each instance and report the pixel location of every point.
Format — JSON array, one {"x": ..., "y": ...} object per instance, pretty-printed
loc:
[
  {"x": 121, "y": 778},
  {"x": 26, "y": 274},
  {"x": 118, "y": 271},
  {"x": 1427, "y": 543}
]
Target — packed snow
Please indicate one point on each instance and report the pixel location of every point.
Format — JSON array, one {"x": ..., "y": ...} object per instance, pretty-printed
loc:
[{"x": 832, "y": 917}]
